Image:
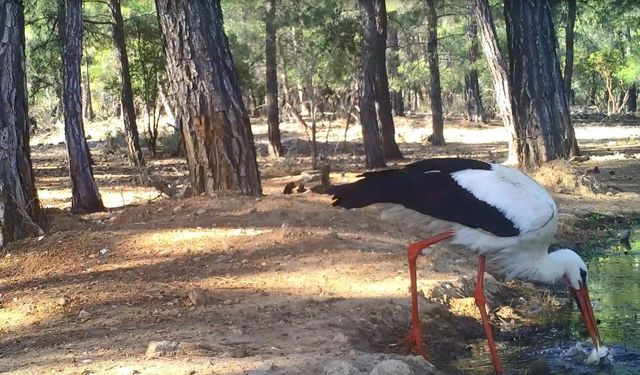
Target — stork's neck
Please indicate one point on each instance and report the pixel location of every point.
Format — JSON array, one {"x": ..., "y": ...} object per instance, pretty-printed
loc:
[{"x": 539, "y": 266}]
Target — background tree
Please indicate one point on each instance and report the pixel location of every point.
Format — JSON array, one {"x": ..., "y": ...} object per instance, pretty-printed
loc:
[
  {"x": 367, "y": 83},
  {"x": 475, "y": 110},
  {"x": 209, "y": 107},
  {"x": 393, "y": 62},
  {"x": 19, "y": 205},
  {"x": 500, "y": 76},
  {"x": 126, "y": 91},
  {"x": 384, "y": 109},
  {"x": 85, "y": 196},
  {"x": 569, "y": 34},
  {"x": 435, "y": 90},
  {"x": 273, "y": 120},
  {"x": 544, "y": 120}
]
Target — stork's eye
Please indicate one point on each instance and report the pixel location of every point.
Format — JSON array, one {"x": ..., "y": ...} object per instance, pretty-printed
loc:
[{"x": 583, "y": 276}]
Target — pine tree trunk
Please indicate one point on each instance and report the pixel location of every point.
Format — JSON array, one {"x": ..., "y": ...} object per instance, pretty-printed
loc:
[
  {"x": 435, "y": 90},
  {"x": 393, "y": 62},
  {"x": 366, "y": 89},
  {"x": 390, "y": 148},
  {"x": 19, "y": 205},
  {"x": 275, "y": 143},
  {"x": 632, "y": 102},
  {"x": 541, "y": 104},
  {"x": 88, "y": 103},
  {"x": 126, "y": 92},
  {"x": 208, "y": 104},
  {"x": 84, "y": 191},
  {"x": 475, "y": 111},
  {"x": 568, "y": 66},
  {"x": 499, "y": 74}
]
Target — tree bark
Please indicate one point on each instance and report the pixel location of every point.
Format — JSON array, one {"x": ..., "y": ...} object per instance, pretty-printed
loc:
[
  {"x": 273, "y": 121},
  {"x": 473, "y": 99},
  {"x": 367, "y": 87},
  {"x": 126, "y": 92},
  {"x": 19, "y": 205},
  {"x": 435, "y": 90},
  {"x": 397, "y": 101},
  {"x": 543, "y": 114},
  {"x": 84, "y": 191},
  {"x": 499, "y": 74},
  {"x": 390, "y": 148},
  {"x": 88, "y": 103},
  {"x": 569, "y": 33},
  {"x": 632, "y": 102},
  {"x": 208, "y": 104}
]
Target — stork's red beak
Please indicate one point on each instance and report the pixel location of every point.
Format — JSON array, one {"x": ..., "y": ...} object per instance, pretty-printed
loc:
[{"x": 584, "y": 303}]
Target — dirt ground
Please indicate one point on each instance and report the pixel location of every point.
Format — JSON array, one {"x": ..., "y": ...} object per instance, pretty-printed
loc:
[{"x": 284, "y": 283}]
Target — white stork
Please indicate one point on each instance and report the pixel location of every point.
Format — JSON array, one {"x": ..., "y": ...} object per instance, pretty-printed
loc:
[{"x": 485, "y": 209}]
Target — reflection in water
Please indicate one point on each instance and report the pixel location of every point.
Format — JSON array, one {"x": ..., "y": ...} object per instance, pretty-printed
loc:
[{"x": 614, "y": 286}]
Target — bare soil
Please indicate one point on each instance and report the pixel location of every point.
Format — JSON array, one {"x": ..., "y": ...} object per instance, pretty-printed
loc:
[{"x": 287, "y": 279}]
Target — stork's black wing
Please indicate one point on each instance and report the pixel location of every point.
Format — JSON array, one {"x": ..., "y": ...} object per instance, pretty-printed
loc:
[{"x": 427, "y": 187}]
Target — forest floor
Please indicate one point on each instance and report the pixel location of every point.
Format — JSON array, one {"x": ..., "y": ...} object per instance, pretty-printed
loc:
[{"x": 282, "y": 284}]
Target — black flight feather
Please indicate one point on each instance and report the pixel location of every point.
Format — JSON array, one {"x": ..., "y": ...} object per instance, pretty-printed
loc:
[{"x": 427, "y": 187}]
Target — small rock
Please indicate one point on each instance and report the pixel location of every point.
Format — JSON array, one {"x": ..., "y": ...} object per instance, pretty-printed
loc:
[
  {"x": 104, "y": 251},
  {"x": 611, "y": 173},
  {"x": 341, "y": 338},
  {"x": 63, "y": 301},
  {"x": 86, "y": 361},
  {"x": 178, "y": 208},
  {"x": 200, "y": 211},
  {"x": 391, "y": 367},
  {"x": 198, "y": 297},
  {"x": 265, "y": 369},
  {"x": 84, "y": 315},
  {"x": 339, "y": 367},
  {"x": 595, "y": 170},
  {"x": 419, "y": 365},
  {"x": 162, "y": 348}
]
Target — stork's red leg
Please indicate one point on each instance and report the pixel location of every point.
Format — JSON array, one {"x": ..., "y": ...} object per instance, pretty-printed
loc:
[
  {"x": 481, "y": 302},
  {"x": 414, "y": 338}
]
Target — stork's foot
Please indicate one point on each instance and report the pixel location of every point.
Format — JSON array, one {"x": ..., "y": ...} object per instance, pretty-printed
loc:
[{"x": 414, "y": 342}]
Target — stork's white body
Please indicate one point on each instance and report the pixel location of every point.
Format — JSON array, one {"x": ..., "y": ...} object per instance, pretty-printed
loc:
[{"x": 519, "y": 198}]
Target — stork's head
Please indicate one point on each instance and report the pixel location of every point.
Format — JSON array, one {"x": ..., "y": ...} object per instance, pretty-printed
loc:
[{"x": 572, "y": 271}]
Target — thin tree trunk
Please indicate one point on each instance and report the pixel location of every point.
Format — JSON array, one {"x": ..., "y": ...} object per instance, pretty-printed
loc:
[
  {"x": 126, "y": 92},
  {"x": 541, "y": 104},
  {"x": 85, "y": 196},
  {"x": 275, "y": 144},
  {"x": 393, "y": 62},
  {"x": 367, "y": 88},
  {"x": 390, "y": 148},
  {"x": 632, "y": 103},
  {"x": 209, "y": 109},
  {"x": 435, "y": 90},
  {"x": 19, "y": 206},
  {"x": 568, "y": 66},
  {"x": 473, "y": 99},
  {"x": 88, "y": 103},
  {"x": 499, "y": 74}
]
